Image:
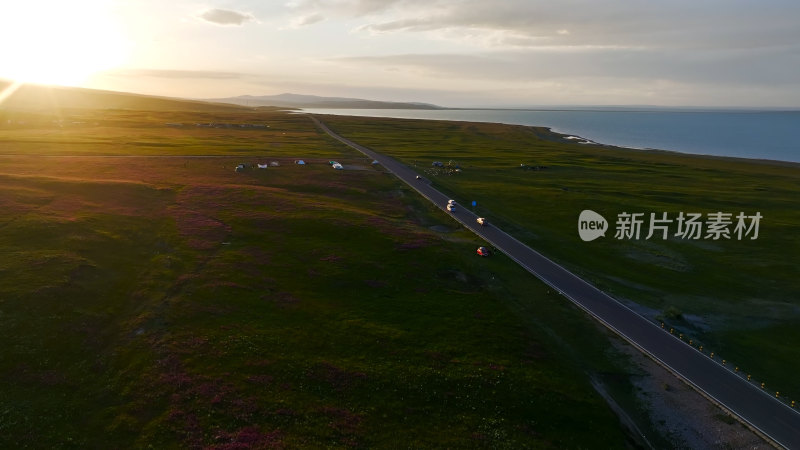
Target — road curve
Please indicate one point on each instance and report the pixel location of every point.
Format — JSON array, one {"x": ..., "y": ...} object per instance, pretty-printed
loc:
[{"x": 775, "y": 420}]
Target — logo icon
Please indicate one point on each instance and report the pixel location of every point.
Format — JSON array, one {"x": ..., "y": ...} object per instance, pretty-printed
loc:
[{"x": 591, "y": 225}]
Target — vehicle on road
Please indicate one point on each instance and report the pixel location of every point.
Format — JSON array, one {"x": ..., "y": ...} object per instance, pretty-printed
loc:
[
  {"x": 451, "y": 207},
  {"x": 451, "y": 202},
  {"x": 483, "y": 251},
  {"x": 482, "y": 221},
  {"x": 419, "y": 177}
]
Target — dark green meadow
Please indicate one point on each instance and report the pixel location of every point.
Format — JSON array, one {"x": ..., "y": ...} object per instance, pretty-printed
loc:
[
  {"x": 170, "y": 302},
  {"x": 737, "y": 298}
]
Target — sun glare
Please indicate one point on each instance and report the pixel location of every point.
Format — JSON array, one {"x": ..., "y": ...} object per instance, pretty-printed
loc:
[{"x": 58, "y": 42}]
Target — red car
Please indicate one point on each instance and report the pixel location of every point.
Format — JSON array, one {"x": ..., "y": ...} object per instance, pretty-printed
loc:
[{"x": 483, "y": 251}]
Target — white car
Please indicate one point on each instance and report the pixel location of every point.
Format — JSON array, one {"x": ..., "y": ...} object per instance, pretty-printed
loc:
[
  {"x": 451, "y": 207},
  {"x": 482, "y": 221}
]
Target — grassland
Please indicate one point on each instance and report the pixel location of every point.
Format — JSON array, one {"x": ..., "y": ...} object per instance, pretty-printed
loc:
[
  {"x": 738, "y": 298},
  {"x": 156, "y": 133},
  {"x": 170, "y": 302}
]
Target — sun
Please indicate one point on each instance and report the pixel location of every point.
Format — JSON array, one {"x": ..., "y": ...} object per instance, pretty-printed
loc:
[{"x": 58, "y": 42}]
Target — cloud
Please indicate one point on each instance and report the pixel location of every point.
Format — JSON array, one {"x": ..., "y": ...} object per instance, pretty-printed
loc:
[
  {"x": 620, "y": 47},
  {"x": 715, "y": 51},
  {"x": 226, "y": 17},
  {"x": 730, "y": 68},
  {"x": 411, "y": 24},
  {"x": 530, "y": 23},
  {"x": 307, "y": 20},
  {"x": 355, "y": 8},
  {"x": 608, "y": 76},
  {"x": 177, "y": 74}
]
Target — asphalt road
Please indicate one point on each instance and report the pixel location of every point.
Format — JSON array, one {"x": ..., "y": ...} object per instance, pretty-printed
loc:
[{"x": 757, "y": 407}]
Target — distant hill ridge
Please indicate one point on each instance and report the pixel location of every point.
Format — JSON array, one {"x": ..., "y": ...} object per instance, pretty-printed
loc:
[
  {"x": 43, "y": 97},
  {"x": 289, "y": 100}
]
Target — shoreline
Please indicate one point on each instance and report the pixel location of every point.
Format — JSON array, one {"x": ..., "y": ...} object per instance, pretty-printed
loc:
[
  {"x": 587, "y": 142},
  {"x": 555, "y": 130}
]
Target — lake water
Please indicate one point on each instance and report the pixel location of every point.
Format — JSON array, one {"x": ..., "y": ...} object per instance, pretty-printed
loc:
[{"x": 743, "y": 134}]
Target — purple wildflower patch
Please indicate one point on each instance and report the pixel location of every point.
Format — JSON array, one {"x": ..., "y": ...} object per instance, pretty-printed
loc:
[
  {"x": 248, "y": 438},
  {"x": 261, "y": 379}
]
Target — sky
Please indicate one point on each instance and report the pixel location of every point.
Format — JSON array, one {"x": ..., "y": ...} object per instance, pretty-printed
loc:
[{"x": 458, "y": 53}]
